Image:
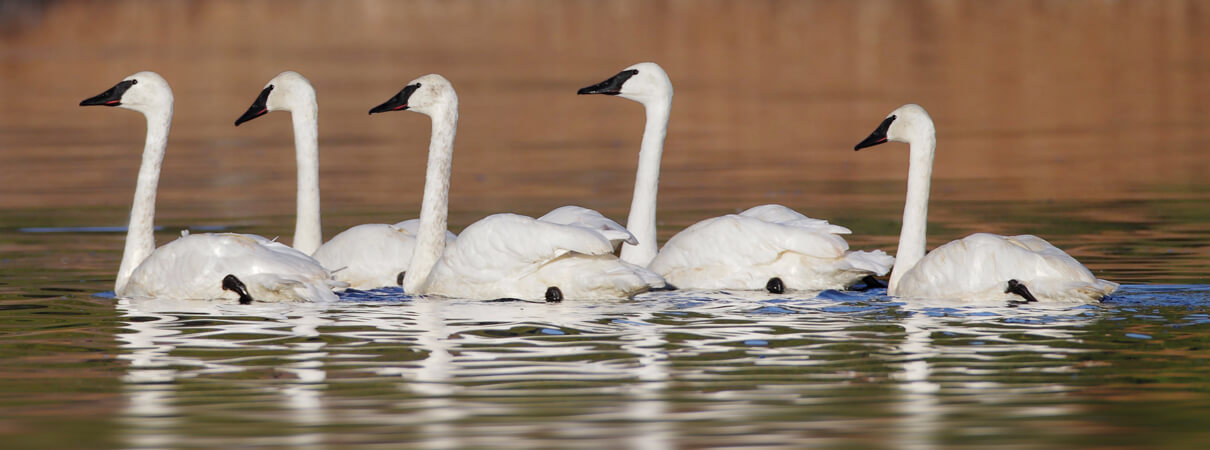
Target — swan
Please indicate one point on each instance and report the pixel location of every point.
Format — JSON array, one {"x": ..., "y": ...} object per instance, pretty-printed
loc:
[
  {"x": 502, "y": 255},
  {"x": 766, "y": 247},
  {"x": 365, "y": 256},
  {"x": 199, "y": 266},
  {"x": 981, "y": 266}
]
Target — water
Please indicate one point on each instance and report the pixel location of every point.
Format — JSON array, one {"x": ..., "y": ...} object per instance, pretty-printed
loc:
[{"x": 1082, "y": 122}]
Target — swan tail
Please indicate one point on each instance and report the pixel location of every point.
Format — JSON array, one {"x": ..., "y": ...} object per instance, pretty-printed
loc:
[
  {"x": 875, "y": 262},
  {"x": 277, "y": 288},
  {"x": 651, "y": 279},
  {"x": 1066, "y": 290}
]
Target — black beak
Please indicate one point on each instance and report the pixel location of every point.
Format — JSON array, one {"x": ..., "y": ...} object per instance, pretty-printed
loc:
[
  {"x": 258, "y": 107},
  {"x": 877, "y": 137},
  {"x": 612, "y": 86},
  {"x": 112, "y": 97},
  {"x": 399, "y": 102}
]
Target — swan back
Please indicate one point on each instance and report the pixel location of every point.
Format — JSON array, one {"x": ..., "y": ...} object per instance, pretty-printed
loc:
[
  {"x": 591, "y": 219},
  {"x": 979, "y": 266}
]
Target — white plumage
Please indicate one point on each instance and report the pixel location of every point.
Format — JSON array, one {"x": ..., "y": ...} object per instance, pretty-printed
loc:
[
  {"x": 371, "y": 255},
  {"x": 197, "y": 266},
  {"x": 365, "y": 256},
  {"x": 193, "y": 267},
  {"x": 514, "y": 256},
  {"x": 980, "y": 266},
  {"x": 744, "y": 251},
  {"x": 505, "y": 255},
  {"x": 591, "y": 219}
]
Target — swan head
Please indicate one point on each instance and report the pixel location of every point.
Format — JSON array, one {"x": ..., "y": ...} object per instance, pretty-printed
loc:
[
  {"x": 904, "y": 124},
  {"x": 642, "y": 82},
  {"x": 288, "y": 91},
  {"x": 428, "y": 95},
  {"x": 145, "y": 92}
]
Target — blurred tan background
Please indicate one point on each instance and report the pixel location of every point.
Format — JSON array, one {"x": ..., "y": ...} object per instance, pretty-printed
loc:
[{"x": 1037, "y": 101}]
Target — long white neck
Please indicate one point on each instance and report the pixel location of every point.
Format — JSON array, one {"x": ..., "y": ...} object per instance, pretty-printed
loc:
[
  {"x": 646, "y": 185},
  {"x": 308, "y": 234},
  {"x": 140, "y": 234},
  {"x": 434, "y": 209},
  {"x": 915, "y": 209}
]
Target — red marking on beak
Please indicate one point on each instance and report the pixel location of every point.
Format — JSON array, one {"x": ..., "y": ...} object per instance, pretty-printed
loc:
[
  {"x": 113, "y": 102},
  {"x": 397, "y": 108}
]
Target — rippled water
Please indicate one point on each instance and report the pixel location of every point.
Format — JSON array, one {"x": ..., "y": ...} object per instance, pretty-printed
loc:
[
  {"x": 1080, "y": 121},
  {"x": 666, "y": 370}
]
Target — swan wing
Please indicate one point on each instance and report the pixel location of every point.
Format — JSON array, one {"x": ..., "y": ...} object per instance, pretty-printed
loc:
[
  {"x": 591, "y": 219},
  {"x": 193, "y": 267},
  {"x": 738, "y": 241},
  {"x": 746, "y": 250},
  {"x": 509, "y": 255},
  {"x": 509, "y": 245},
  {"x": 980, "y": 265},
  {"x": 785, "y": 216}
]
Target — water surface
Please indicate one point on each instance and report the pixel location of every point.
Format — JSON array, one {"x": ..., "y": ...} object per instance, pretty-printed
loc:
[{"x": 1082, "y": 122}]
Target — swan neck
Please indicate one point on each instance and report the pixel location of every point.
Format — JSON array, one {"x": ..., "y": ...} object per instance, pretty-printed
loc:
[
  {"x": 140, "y": 233},
  {"x": 915, "y": 209},
  {"x": 308, "y": 233},
  {"x": 434, "y": 209},
  {"x": 642, "y": 222}
]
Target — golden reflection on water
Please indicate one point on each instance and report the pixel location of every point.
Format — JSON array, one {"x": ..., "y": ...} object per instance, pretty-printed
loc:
[
  {"x": 1080, "y": 121},
  {"x": 1096, "y": 106}
]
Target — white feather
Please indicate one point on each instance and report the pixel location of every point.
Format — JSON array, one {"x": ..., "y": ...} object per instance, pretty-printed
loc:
[
  {"x": 372, "y": 255},
  {"x": 504, "y": 255},
  {"x": 980, "y": 266},
  {"x": 195, "y": 265},
  {"x": 514, "y": 256},
  {"x": 591, "y": 219},
  {"x": 744, "y": 251},
  {"x": 739, "y": 251}
]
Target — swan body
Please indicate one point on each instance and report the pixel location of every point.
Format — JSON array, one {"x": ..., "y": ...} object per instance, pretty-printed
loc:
[
  {"x": 980, "y": 266},
  {"x": 746, "y": 250},
  {"x": 514, "y": 256},
  {"x": 199, "y": 266},
  {"x": 372, "y": 255},
  {"x": 738, "y": 251},
  {"x": 365, "y": 256},
  {"x": 504, "y": 255},
  {"x": 193, "y": 266}
]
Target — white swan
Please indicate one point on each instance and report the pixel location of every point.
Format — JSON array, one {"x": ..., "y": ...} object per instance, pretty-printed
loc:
[
  {"x": 199, "y": 266},
  {"x": 980, "y": 266},
  {"x": 767, "y": 247},
  {"x": 503, "y": 255},
  {"x": 364, "y": 256}
]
